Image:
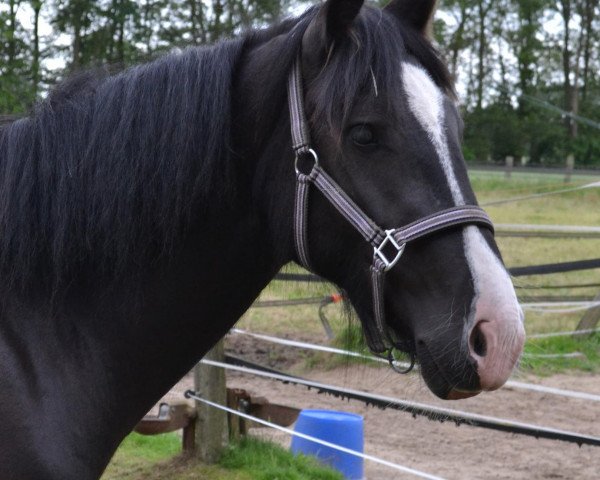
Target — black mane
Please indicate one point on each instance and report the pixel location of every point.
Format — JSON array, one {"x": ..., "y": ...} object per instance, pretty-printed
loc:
[{"x": 108, "y": 172}]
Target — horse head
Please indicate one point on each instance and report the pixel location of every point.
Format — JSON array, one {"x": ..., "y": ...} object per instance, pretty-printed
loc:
[{"x": 384, "y": 123}]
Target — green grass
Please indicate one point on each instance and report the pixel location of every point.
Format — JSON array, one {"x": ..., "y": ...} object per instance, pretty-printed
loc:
[
  {"x": 588, "y": 346},
  {"x": 157, "y": 458},
  {"x": 267, "y": 461},
  {"x": 137, "y": 452}
]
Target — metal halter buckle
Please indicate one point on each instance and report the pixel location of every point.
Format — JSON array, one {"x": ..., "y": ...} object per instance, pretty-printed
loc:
[{"x": 392, "y": 241}]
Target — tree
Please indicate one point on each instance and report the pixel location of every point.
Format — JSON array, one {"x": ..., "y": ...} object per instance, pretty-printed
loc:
[{"x": 16, "y": 91}]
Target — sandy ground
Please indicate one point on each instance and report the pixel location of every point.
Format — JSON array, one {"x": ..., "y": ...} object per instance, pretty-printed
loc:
[{"x": 442, "y": 448}]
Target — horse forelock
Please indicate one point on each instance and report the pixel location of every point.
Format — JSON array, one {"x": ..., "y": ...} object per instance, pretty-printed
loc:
[{"x": 372, "y": 57}]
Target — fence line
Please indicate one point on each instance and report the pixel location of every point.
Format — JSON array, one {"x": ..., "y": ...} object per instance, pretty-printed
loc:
[
  {"x": 534, "y": 196},
  {"x": 544, "y": 269},
  {"x": 416, "y": 408},
  {"x": 411, "y": 471},
  {"x": 510, "y": 383},
  {"x": 565, "y": 333},
  {"x": 313, "y": 346},
  {"x": 293, "y": 302},
  {"x": 547, "y": 307},
  {"x": 521, "y": 230},
  {"x": 524, "y": 286},
  {"x": 530, "y": 227}
]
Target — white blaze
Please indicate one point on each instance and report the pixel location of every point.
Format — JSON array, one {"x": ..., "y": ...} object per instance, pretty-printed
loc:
[{"x": 494, "y": 291}]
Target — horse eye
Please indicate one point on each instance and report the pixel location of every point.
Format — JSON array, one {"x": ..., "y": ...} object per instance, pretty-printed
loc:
[{"x": 362, "y": 135}]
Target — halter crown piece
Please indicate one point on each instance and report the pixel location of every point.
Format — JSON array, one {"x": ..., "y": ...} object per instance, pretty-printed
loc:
[{"x": 383, "y": 241}]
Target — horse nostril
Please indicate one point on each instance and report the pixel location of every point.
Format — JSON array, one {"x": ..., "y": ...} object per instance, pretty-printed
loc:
[{"x": 477, "y": 341}]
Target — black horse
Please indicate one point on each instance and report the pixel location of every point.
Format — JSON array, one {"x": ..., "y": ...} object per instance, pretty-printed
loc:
[{"x": 142, "y": 213}]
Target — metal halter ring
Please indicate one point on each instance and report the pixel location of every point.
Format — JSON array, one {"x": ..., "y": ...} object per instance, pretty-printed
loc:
[
  {"x": 315, "y": 157},
  {"x": 393, "y": 362}
]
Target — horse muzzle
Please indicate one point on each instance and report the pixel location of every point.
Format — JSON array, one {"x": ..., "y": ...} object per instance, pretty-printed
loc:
[
  {"x": 495, "y": 344},
  {"x": 483, "y": 361}
]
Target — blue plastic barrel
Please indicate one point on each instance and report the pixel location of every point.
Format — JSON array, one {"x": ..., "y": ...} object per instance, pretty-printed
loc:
[{"x": 340, "y": 428}]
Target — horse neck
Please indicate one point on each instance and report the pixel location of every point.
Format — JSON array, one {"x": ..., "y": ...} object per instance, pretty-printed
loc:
[
  {"x": 115, "y": 363},
  {"x": 262, "y": 143}
]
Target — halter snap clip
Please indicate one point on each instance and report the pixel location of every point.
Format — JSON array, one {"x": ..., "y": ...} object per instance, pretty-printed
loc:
[{"x": 399, "y": 247}]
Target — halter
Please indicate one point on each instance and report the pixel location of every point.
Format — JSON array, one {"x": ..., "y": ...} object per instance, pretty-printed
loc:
[{"x": 388, "y": 245}]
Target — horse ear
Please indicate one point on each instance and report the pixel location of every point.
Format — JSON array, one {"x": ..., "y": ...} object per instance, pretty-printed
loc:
[
  {"x": 332, "y": 22},
  {"x": 339, "y": 16},
  {"x": 417, "y": 13}
]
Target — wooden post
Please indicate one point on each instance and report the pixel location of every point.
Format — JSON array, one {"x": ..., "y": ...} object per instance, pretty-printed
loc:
[
  {"x": 510, "y": 162},
  {"x": 211, "y": 423},
  {"x": 590, "y": 318},
  {"x": 570, "y": 166},
  {"x": 188, "y": 439}
]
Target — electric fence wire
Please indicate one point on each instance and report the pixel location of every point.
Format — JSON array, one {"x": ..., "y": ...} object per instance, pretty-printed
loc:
[
  {"x": 364, "y": 456},
  {"x": 322, "y": 348}
]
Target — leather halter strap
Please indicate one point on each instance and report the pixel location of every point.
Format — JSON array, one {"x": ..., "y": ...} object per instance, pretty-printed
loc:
[{"x": 381, "y": 240}]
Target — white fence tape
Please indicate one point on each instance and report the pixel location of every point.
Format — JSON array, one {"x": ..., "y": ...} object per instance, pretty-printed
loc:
[
  {"x": 523, "y": 227},
  {"x": 550, "y": 307},
  {"x": 539, "y": 195},
  {"x": 312, "y": 346},
  {"x": 564, "y": 333}
]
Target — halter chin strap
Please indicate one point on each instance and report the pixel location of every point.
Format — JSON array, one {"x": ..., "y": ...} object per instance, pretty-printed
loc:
[{"x": 388, "y": 245}]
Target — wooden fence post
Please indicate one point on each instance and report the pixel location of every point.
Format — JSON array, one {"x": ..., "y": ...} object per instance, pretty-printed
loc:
[
  {"x": 590, "y": 318},
  {"x": 211, "y": 423},
  {"x": 510, "y": 162},
  {"x": 570, "y": 166}
]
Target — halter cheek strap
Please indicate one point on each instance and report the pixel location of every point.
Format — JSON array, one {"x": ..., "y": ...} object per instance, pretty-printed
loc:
[{"x": 388, "y": 245}]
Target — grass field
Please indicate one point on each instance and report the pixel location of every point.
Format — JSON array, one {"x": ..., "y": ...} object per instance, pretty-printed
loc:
[{"x": 158, "y": 458}]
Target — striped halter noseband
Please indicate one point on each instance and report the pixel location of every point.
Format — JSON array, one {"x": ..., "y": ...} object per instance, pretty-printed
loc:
[{"x": 388, "y": 245}]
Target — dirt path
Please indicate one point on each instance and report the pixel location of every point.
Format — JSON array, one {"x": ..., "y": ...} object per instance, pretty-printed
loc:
[
  {"x": 443, "y": 448},
  {"x": 458, "y": 452}
]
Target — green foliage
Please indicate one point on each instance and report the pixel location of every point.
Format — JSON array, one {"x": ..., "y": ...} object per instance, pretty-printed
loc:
[
  {"x": 15, "y": 85},
  {"x": 504, "y": 56},
  {"x": 493, "y": 132}
]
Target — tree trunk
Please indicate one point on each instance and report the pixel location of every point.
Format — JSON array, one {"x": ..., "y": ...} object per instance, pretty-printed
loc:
[
  {"x": 77, "y": 45},
  {"x": 457, "y": 42},
  {"x": 217, "y": 26},
  {"x": 121, "y": 18},
  {"x": 35, "y": 61},
  {"x": 13, "y": 6},
  {"x": 482, "y": 12},
  {"x": 569, "y": 95},
  {"x": 587, "y": 22}
]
